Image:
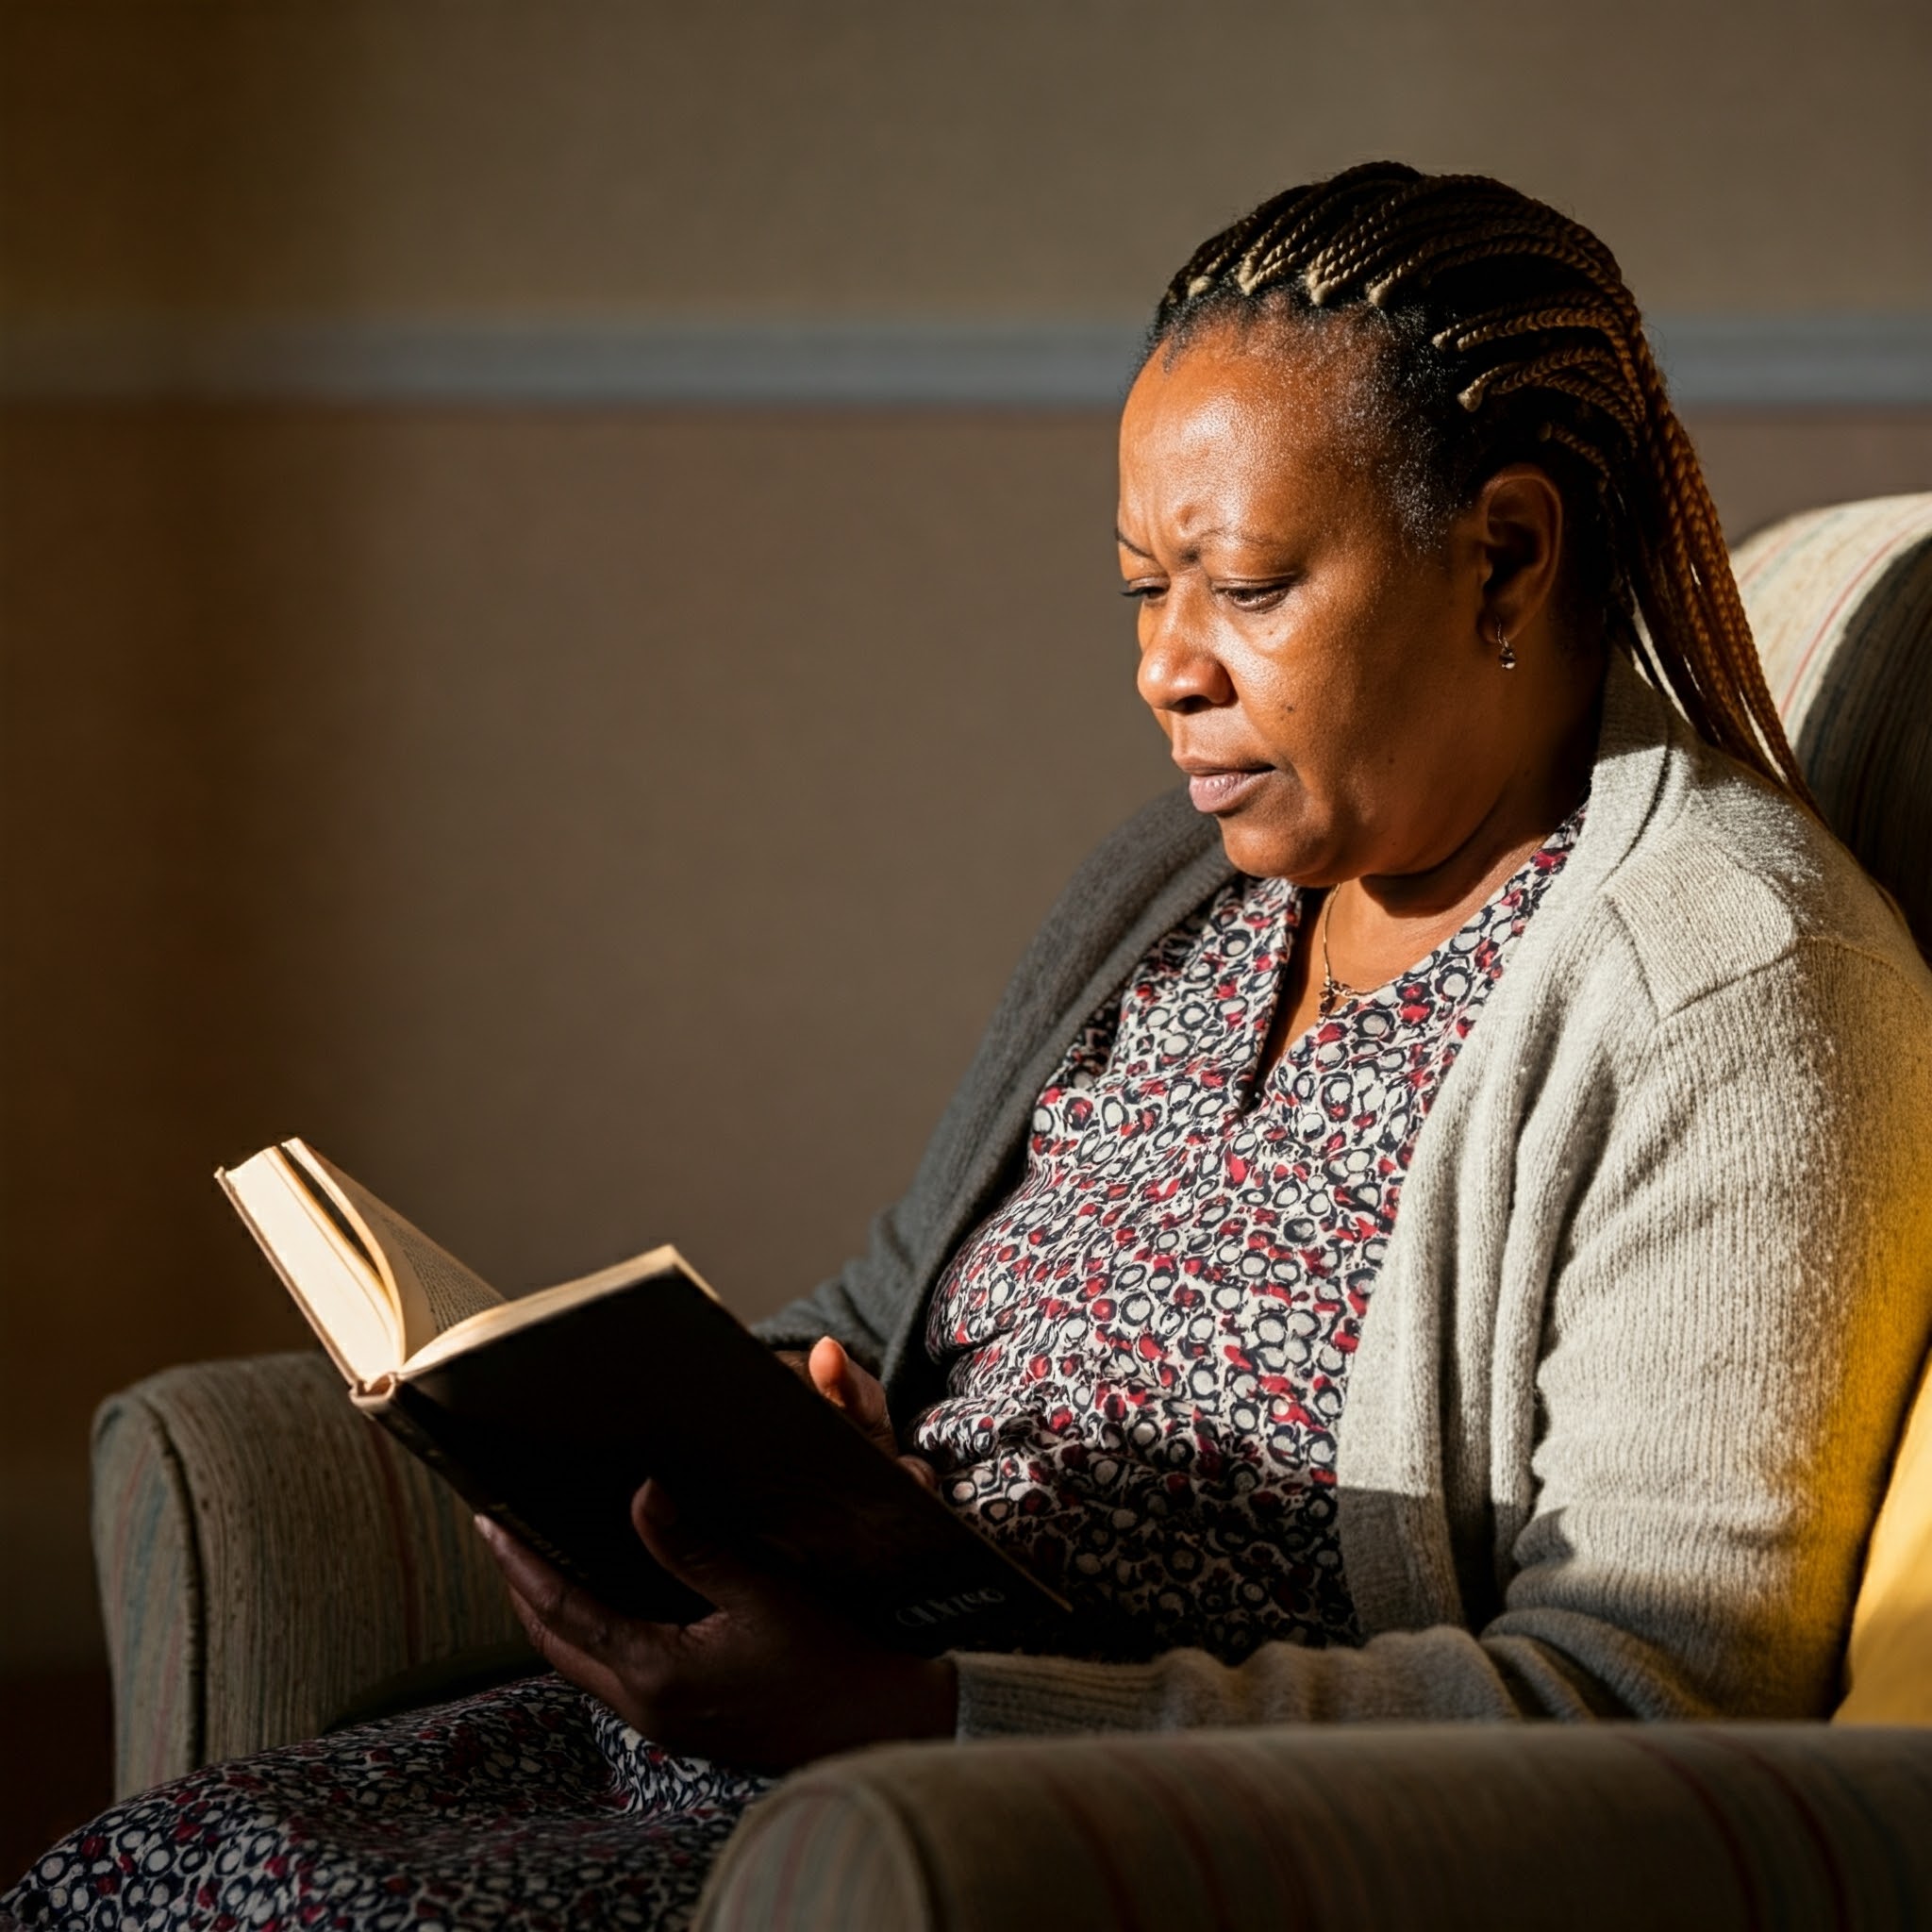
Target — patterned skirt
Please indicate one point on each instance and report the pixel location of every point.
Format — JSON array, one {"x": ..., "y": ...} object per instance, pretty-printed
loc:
[{"x": 529, "y": 1807}]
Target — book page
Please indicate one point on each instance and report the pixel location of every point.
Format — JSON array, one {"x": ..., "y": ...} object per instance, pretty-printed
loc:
[
  {"x": 342, "y": 1296},
  {"x": 434, "y": 1291}
]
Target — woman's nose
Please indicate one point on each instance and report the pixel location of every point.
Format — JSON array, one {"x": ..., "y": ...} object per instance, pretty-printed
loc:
[{"x": 1177, "y": 672}]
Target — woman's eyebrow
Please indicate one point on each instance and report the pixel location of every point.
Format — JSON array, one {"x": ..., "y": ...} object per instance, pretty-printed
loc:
[{"x": 1193, "y": 552}]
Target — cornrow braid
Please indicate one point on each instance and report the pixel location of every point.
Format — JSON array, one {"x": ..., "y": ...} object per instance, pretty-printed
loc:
[{"x": 1507, "y": 335}]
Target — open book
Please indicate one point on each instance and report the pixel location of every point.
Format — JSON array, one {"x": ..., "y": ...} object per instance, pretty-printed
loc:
[{"x": 547, "y": 1411}]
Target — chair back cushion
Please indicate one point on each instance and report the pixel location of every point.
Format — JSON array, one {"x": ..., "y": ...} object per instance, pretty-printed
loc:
[{"x": 1841, "y": 603}]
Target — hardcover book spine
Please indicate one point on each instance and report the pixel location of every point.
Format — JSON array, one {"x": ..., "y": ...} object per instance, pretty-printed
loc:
[{"x": 974, "y": 1617}]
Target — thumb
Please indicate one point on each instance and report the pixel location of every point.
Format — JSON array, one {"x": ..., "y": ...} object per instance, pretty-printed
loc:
[
  {"x": 829, "y": 1369},
  {"x": 848, "y": 1387}
]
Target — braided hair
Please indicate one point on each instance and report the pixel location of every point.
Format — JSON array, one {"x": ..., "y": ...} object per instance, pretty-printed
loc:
[{"x": 1501, "y": 331}]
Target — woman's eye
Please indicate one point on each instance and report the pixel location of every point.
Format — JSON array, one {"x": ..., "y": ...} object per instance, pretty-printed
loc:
[{"x": 1256, "y": 596}]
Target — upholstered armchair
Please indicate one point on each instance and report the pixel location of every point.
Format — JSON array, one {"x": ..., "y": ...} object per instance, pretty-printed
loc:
[{"x": 271, "y": 1567}]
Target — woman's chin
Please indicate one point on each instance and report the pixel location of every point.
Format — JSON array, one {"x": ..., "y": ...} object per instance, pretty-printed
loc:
[{"x": 1269, "y": 851}]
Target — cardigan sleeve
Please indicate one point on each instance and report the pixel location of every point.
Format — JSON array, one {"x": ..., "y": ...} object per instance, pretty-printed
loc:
[{"x": 1735, "y": 1320}]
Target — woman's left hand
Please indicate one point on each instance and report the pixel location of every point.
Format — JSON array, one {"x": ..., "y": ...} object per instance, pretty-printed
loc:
[{"x": 769, "y": 1680}]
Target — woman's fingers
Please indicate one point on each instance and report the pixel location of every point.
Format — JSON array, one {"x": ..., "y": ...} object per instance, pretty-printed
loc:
[
  {"x": 624, "y": 1662},
  {"x": 572, "y": 1613},
  {"x": 745, "y": 1684},
  {"x": 862, "y": 1396},
  {"x": 848, "y": 1387},
  {"x": 587, "y": 1671},
  {"x": 842, "y": 1382},
  {"x": 692, "y": 1556},
  {"x": 575, "y": 1634}
]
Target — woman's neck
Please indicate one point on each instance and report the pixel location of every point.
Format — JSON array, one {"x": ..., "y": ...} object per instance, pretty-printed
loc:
[
  {"x": 1373, "y": 929},
  {"x": 1382, "y": 914}
]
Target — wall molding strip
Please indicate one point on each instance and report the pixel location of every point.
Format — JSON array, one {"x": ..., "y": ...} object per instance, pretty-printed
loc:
[{"x": 1739, "y": 361}]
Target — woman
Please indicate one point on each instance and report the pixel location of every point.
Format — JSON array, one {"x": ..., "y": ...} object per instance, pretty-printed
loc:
[{"x": 1438, "y": 1225}]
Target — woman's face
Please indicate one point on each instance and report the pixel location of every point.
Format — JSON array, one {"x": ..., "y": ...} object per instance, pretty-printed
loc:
[{"x": 1330, "y": 693}]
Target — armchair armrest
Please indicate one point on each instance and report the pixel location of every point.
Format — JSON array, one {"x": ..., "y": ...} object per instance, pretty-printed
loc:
[
  {"x": 269, "y": 1561},
  {"x": 1502, "y": 1826}
]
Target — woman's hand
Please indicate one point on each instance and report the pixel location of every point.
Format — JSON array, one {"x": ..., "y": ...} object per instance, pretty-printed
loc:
[
  {"x": 769, "y": 1679},
  {"x": 859, "y": 1394}
]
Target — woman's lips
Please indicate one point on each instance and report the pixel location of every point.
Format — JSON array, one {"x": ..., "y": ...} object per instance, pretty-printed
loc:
[{"x": 1222, "y": 791}]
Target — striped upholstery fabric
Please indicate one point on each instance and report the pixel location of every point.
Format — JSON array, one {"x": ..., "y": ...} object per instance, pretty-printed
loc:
[
  {"x": 1841, "y": 603},
  {"x": 270, "y": 1563},
  {"x": 1605, "y": 1826},
  {"x": 151, "y": 1601}
]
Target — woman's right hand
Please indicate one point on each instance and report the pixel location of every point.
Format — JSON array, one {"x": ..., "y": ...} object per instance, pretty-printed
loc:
[{"x": 856, "y": 1390}]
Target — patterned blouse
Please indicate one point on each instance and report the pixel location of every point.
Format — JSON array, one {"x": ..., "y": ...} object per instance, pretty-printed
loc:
[{"x": 1146, "y": 1345}]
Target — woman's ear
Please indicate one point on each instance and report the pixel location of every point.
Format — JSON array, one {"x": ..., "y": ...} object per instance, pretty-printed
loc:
[{"x": 1519, "y": 532}]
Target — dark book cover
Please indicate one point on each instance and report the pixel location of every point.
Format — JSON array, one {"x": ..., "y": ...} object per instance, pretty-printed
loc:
[{"x": 551, "y": 1427}]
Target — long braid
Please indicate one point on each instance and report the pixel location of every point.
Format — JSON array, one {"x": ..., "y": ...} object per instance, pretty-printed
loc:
[{"x": 1534, "y": 347}]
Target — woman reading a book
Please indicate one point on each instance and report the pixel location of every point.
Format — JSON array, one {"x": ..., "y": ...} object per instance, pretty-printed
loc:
[{"x": 1436, "y": 1227}]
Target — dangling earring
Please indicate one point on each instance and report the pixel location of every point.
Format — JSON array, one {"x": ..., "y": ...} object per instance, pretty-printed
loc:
[{"x": 1507, "y": 660}]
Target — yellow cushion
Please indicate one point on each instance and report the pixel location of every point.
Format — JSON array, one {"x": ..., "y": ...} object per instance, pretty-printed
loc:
[{"x": 1889, "y": 1669}]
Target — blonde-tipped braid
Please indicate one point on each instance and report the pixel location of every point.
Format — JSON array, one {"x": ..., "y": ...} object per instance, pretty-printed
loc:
[{"x": 1535, "y": 349}]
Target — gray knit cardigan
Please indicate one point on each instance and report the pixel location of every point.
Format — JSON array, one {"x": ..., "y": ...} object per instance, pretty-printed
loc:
[{"x": 1661, "y": 1285}]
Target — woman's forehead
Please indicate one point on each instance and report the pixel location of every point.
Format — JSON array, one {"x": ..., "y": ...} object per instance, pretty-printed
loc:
[{"x": 1225, "y": 442}]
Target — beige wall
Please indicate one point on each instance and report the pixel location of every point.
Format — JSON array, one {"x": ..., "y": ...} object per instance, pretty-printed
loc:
[
  {"x": 597, "y": 825},
  {"x": 1011, "y": 156}
]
